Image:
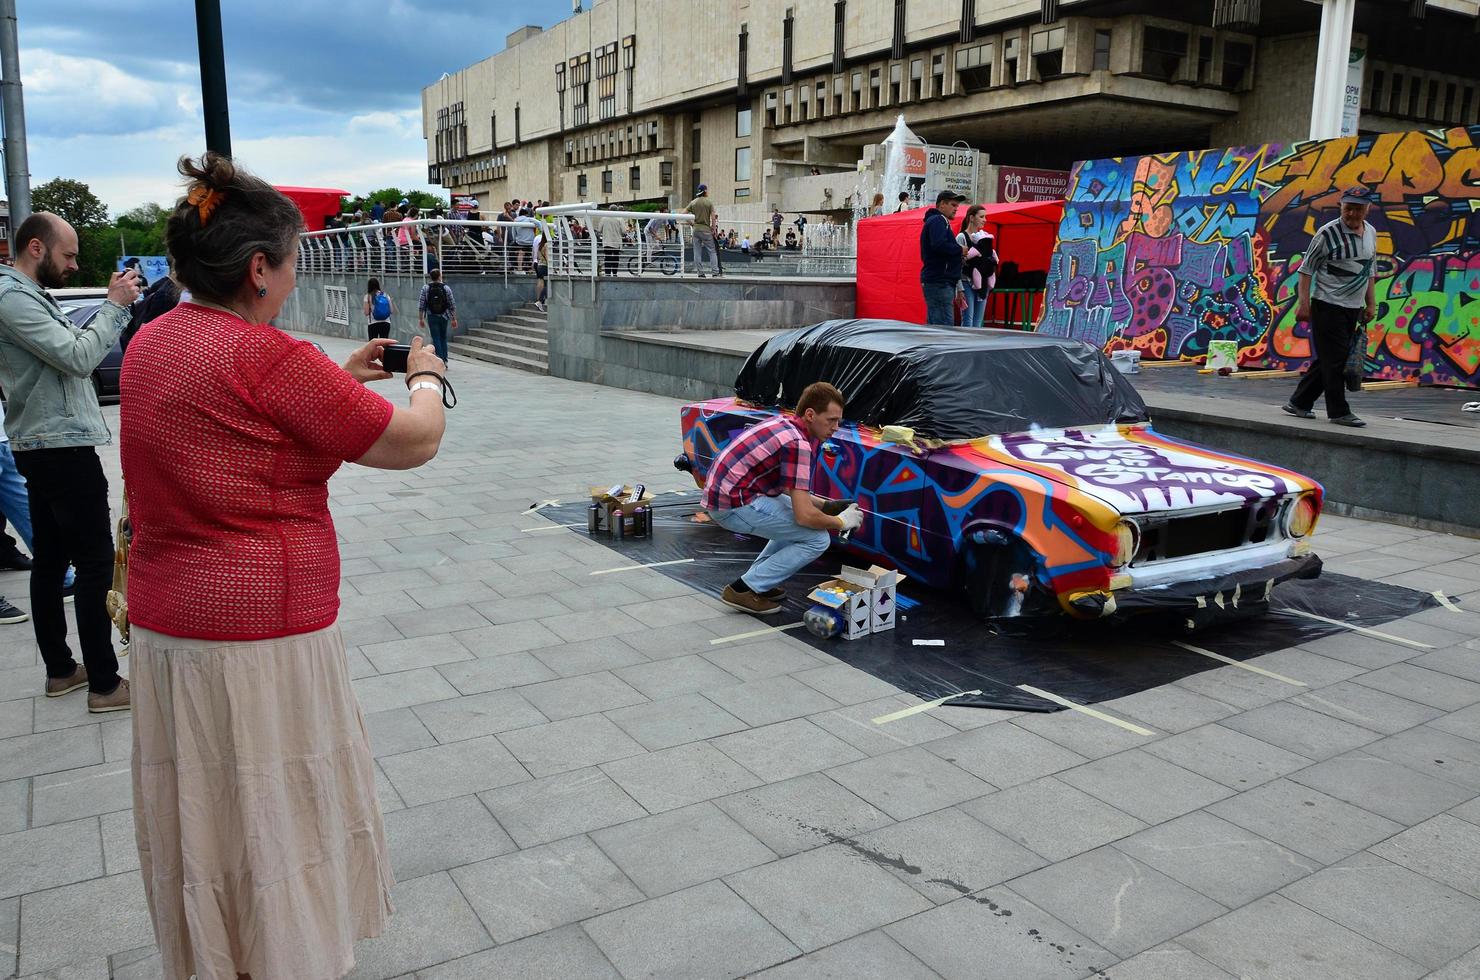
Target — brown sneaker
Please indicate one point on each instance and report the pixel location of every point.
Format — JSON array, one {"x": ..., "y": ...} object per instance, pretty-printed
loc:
[
  {"x": 748, "y": 601},
  {"x": 119, "y": 700},
  {"x": 777, "y": 594},
  {"x": 57, "y": 686}
]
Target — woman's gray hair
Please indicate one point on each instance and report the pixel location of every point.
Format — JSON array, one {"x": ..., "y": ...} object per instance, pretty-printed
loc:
[{"x": 227, "y": 216}]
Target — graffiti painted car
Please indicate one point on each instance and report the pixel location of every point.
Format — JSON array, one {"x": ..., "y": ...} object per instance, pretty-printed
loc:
[{"x": 1034, "y": 479}]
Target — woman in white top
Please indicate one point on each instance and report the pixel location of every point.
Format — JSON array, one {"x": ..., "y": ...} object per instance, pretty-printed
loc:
[
  {"x": 378, "y": 309},
  {"x": 978, "y": 265}
]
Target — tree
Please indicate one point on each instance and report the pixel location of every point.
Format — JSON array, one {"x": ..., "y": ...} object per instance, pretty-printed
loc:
[
  {"x": 141, "y": 229},
  {"x": 72, "y": 201}
]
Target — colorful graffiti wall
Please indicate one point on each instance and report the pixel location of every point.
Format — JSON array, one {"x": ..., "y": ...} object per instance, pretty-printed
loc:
[{"x": 1164, "y": 253}]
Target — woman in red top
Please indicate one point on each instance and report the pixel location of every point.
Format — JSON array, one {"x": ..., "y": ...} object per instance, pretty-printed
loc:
[{"x": 259, "y": 831}]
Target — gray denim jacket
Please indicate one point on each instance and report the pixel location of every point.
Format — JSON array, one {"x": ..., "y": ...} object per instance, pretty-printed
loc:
[{"x": 46, "y": 366}]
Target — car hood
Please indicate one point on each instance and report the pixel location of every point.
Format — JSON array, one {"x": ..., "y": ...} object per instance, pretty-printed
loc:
[{"x": 1138, "y": 471}]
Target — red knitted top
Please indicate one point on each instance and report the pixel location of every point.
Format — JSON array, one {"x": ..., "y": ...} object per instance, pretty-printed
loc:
[{"x": 229, "y": 434}]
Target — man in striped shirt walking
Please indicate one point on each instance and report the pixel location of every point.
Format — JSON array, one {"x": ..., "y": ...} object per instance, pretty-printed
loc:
[
  {"x": 1337, "y": 291},
  {"x": 761, "y": 484}
]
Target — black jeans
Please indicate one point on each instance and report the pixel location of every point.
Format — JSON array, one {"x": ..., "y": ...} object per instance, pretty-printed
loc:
[
  {"x": 1331, "y": 330},
  {"x": 379, "y": 329},
  {"x": 68, "y": 494},
  {"x": 609, "y": 258}
]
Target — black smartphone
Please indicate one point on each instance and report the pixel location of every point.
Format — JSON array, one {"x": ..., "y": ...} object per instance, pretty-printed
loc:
[{"x": 393, "y": 358}]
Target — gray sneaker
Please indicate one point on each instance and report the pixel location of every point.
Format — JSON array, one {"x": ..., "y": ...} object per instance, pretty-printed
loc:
[
  {"x": 1299, "y": 413},
  {"x": 1350, "y": 421},
  {"x": 118, "y": 700},
  {"x": 9, "y": 613}
]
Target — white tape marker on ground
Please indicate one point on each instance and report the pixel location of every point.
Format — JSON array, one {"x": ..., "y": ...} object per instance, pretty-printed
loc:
[
  {"x": 541, "y": 505},
  {"x": 1239, "y": 663},
  {"x": 633, "y": 568},
  {"x": 1120, "y": 722},
  {"x": 1360, "y": 629},
  {"x": 746, "y": 636},
  {"x": 549, "y": 527},
  {"x": 1445, "y": 601},
  {"x": 915, "y": 709}
]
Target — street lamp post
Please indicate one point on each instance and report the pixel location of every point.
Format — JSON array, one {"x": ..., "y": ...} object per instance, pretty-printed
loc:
[
  {"x": 1332, "y": 58},
  {"x": 17, "y": 167},
  {"x": 213, "y": 75}
]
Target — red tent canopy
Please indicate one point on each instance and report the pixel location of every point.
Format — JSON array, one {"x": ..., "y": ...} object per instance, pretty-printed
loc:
[
  {"x": 889, "y": 253},
  {"x": 316, "y": 203}
]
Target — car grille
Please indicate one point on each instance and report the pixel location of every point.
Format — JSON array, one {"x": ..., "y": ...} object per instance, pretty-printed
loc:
[{"x": 1197, "y": 534}]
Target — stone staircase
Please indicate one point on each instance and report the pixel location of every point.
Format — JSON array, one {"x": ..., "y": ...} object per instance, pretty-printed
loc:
[{"x": 518, "y": 339}]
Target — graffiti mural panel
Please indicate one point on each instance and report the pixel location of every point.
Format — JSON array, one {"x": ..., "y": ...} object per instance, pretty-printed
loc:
[{"x": 1165, "y": 253}]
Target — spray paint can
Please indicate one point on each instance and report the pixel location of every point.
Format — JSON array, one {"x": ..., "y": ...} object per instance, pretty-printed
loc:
[
  {"x": 619, "y": 528},
  {"x": 593, "y": 517},
  {"x": 639, "y": 521}
]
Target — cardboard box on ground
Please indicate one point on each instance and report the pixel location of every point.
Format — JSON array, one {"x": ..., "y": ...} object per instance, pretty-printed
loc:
[
  {"x": 606, "y": 502},
  {"x": 864, "y": 596}
]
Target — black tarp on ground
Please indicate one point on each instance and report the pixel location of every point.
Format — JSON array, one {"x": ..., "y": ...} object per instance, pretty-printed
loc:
[
  {"x": 1083, "y": 662},
  {"x": 943, "y": 382}
]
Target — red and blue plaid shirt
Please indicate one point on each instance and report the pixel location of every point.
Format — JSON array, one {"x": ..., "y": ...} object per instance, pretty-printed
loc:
[{"x": 767, "y": 459}]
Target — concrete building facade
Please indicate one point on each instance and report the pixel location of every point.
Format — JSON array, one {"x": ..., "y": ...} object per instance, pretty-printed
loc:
[{"x": 775, "y": 102}]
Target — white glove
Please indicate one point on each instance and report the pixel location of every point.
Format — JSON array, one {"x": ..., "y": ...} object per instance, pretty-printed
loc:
[{"x": 852, "y": 517}]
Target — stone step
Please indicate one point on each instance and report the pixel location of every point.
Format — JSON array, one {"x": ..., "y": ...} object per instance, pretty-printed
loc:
[
  {"x": 490, "y": 339},
  {"x": 503, "y": 360},
  {"x": 528, "y": 329},
  {"x": 531, "y": 319},
  {"x": 541, "y": 354}
]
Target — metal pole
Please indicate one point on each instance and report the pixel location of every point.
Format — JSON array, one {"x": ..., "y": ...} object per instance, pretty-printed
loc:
[
  {"x": 1334, "y": 53},
  {"x": 17, "y": 167},
  {"x": 213, "y": 75}
]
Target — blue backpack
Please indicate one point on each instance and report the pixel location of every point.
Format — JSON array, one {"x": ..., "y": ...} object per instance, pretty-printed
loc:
[{"x": 380, "y": 307}]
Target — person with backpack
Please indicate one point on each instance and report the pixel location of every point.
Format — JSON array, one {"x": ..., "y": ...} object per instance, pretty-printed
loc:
[
  {"x": 435, "y": 307},
  {"x": 378, "y": 309}
]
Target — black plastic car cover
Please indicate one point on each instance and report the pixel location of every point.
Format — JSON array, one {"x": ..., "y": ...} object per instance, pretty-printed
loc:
[{"x": 943, "y": 382}]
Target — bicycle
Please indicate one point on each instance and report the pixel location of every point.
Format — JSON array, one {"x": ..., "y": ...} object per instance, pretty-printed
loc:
[{"x": 663, "y": 261}]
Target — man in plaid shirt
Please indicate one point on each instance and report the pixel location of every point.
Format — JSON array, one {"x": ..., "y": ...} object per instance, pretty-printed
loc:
[{"x": 761, "y": 484}]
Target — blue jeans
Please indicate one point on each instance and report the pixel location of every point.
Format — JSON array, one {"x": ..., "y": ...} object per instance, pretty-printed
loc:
[
  {"x": 791, "y": 547},
  {"x": 15, "y": 503},
  {"x": 976, "y": 308},
  {"x": 437, "y": 324},
  {"x": 940, "y": 298}
]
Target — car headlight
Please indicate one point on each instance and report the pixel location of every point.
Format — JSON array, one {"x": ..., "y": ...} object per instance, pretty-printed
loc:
[
  {"x": 1300, "y": 519},
  {"x": 1127, "y": 540}
]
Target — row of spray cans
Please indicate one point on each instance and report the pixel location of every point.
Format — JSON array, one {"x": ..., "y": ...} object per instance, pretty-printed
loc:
[{"x": 630, "y": 517}]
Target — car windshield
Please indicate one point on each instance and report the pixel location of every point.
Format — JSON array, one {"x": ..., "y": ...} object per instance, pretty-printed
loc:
[
  {"x": 80, "y": 311},
  {"x": 944, "y": 383}
]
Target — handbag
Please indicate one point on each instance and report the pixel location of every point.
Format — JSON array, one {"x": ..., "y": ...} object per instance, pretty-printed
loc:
[
  {"x": 1354, "y": 370},
  {"x": 117, "y": 601}
]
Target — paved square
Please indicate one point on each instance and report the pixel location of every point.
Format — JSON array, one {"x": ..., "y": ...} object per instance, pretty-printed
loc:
[{"x": 578, "y": 783}]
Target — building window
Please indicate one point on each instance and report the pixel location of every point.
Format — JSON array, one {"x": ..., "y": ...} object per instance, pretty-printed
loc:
[
  {"x": 876, "y": 85},
  {"x": 634, "y": 178},
  {"x": 1464, "y": 106},
  {"x": 1433, "y": 112},
  {"x": 840, "y": 17},
  {"x": 838, "y": 95},
  {"x": 743, "y": 58},
  {"x": 517, "y": 137},
  {"x": 857, "y": 91},
  {"x": 1205, "y": 59},
  {"x": 974, "y": 67},
  {"x": 821, "y": 99},
  {"x": 1415, "y": 91},
  {"x": 896, "y": 73},
  {"x": 698, "y": 142},
  {"x": 560, "y": 90},
  {"x": 1163, "y": 52},
  {"x": 742, "y": 192},
  {"x": 742, "y": 121},
  {"x": 1102, "y": 50},
  {"x": 742, "y": 164},
  {"x": 606, "y": 182},
  {"x": 802, "y": 106},
  {"x": 1372, "y": 93},
  {"x": 897, "y": 49},
  {"x": 917, "y": 79},
  {"x": 1048, "y": 53},
  {"x": 580, "y": 79},
  {"x": 938, "y": 76},
  {"x": 606, "y": 80},
  {"x": 1238, "y": 58},
  {"x": 665, "y": 174},
  {"x": 786, "y": 105},
  {"x": 771, "y": 110},
  {"x": 580, "y": 185},
  {"x": 1395, "y": 96},
  {"x": 787, "y": 24},
  {"x": 1010, "y": 48},
  {"x": 493, "y": 130},
  {"x": 629, "y": 65}
]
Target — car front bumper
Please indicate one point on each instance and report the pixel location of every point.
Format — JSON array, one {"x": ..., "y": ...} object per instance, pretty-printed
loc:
[{"x": 1202, "y": 600}]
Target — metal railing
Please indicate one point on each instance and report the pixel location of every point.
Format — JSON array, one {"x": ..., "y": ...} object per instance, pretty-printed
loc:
[{"x": 573, "y": 240}]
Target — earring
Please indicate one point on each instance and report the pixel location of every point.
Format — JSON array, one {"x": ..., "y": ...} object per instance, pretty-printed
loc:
[{"x": 261, "y": 291}]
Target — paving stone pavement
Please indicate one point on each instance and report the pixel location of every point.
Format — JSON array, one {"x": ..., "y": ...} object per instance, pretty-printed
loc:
[{"x": 577, "y": 783}]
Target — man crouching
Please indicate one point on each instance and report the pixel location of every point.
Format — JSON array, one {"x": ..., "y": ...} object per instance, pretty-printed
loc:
[{"x": 761, "y": 484}]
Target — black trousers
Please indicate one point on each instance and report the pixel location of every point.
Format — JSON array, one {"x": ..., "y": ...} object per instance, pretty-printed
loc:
[
  {"x": 379, "y": 329},
  {"x": 609, "y": 257},
  {"x": 1331, "y": 330},
  {"x": 68, "y": 494}
]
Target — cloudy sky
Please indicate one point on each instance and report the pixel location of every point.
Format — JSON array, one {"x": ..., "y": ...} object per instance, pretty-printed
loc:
[{"x": 323, "y": 92}]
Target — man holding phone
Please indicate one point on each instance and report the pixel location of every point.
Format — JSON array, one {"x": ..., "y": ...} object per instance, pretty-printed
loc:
[{"x": 55, "y": 425}]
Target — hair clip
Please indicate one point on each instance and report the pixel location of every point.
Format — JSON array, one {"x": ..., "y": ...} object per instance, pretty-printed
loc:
[{"x": 205, "y": 200}]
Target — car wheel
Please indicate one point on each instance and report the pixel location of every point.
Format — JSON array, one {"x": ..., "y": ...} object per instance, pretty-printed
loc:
[{"x": 1000, "y": 579}]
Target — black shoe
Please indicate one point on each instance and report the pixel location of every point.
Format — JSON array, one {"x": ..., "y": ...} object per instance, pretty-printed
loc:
[
  {"x": 1350, "y": 421},
  {"x": 1299, "y": 413},
  {"x": 11, "y": 614},
  {"x": 16, "y": 561}
]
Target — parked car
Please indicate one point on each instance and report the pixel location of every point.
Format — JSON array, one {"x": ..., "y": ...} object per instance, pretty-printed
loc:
[
  {"x": 80, "y": 305},
  {"x": 1034, "y": 480}
]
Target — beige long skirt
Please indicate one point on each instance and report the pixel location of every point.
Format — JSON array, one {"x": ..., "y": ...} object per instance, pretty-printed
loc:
[{"x": 259, "y": 830}]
